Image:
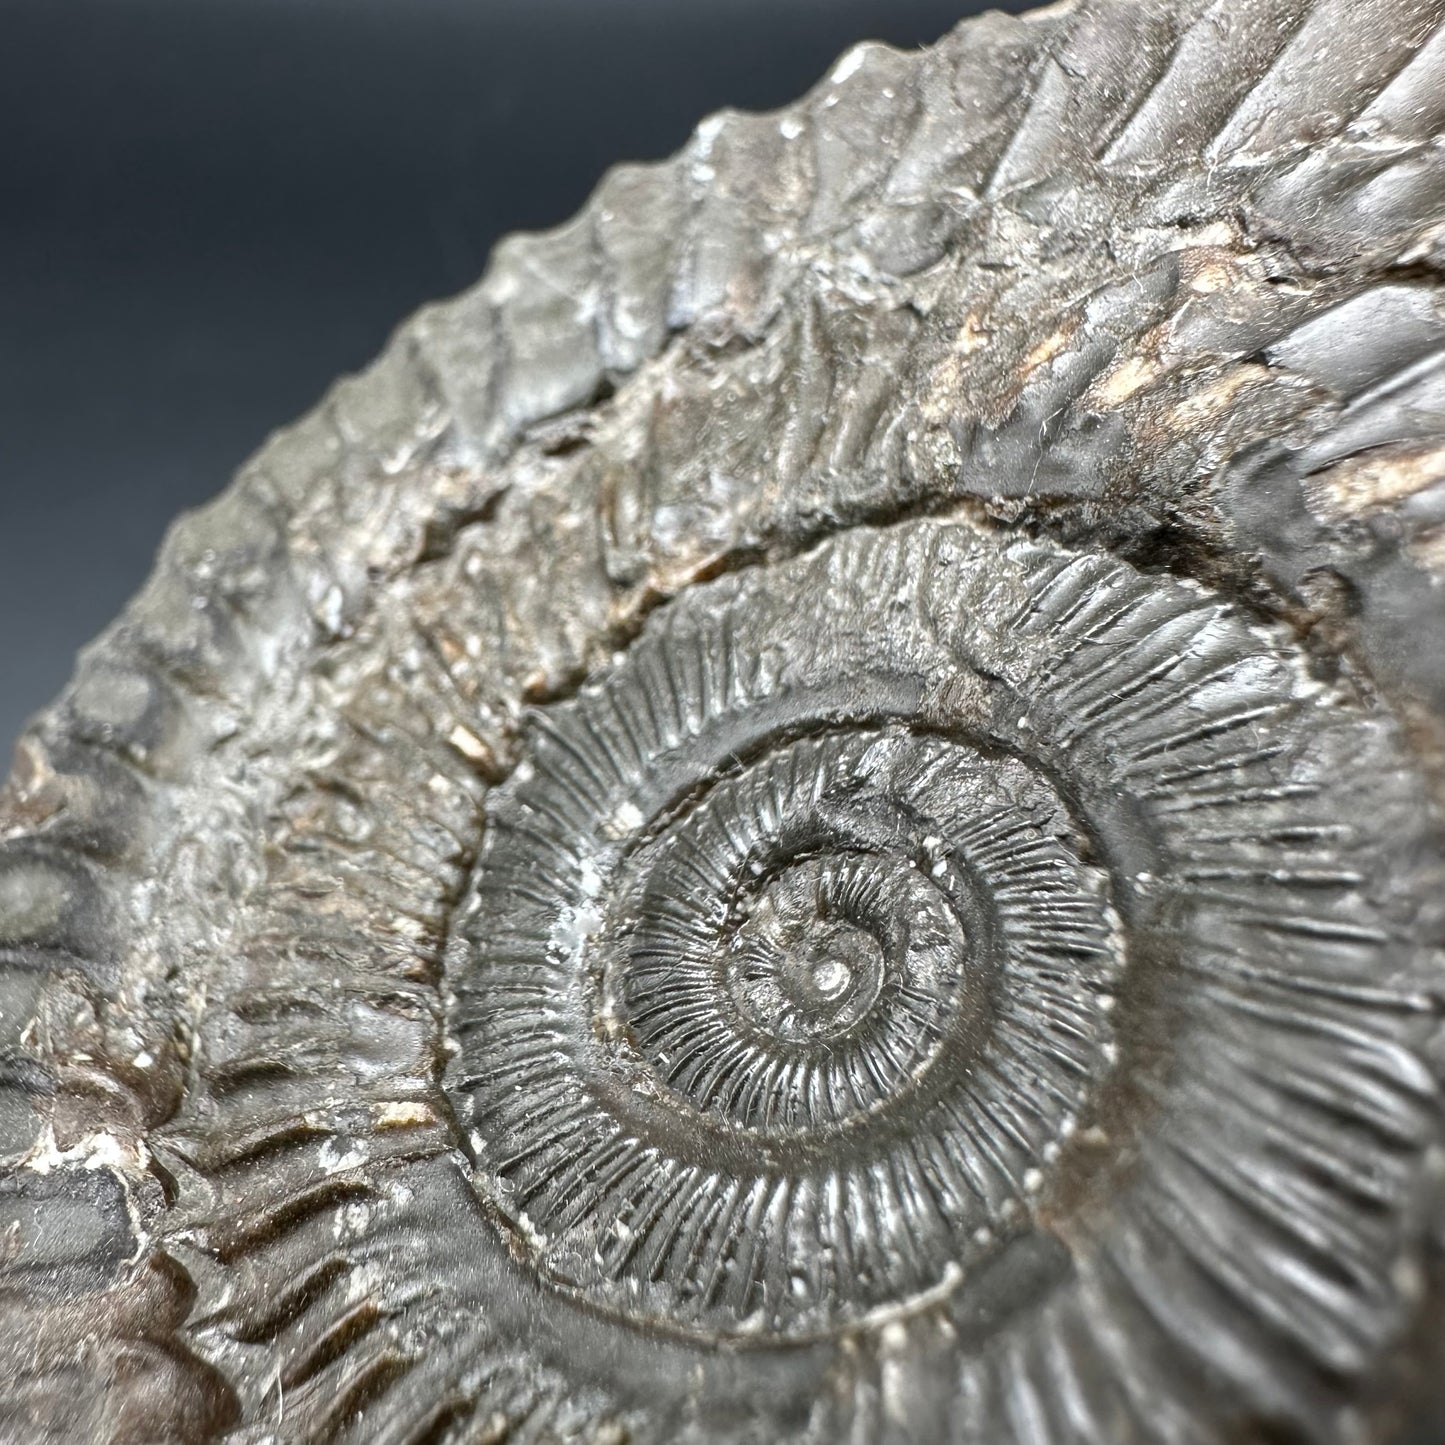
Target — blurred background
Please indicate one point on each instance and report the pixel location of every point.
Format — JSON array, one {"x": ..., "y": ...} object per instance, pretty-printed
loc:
[{"x": 210, "y": 208}]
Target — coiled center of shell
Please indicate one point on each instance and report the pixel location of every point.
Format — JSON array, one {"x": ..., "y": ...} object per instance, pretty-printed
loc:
[
  {"x": 784, "y": 995},
  {"x": 797, "y": 993},
  {"x": 807, "y": 957}
]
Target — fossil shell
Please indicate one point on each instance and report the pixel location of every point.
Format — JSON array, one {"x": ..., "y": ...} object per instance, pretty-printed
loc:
[
  {"x": 785, "y": 992},
  {"x": 813, "y": 815}
]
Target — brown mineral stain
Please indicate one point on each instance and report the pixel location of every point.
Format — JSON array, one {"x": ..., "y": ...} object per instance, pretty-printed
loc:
[
  {"x": 1212, "y": 236},
  {"x": 1048, "y": 348},
  {"x": 973, "y": 335},
  {"x": 1373, "y": 480},
  {"x": 468, "y": 744},
  {"x": 939, "y": 403},
  {"x": 1428, "y": 550},
  {"x": 1210, "y": 269},
  {"x": 1194, "y": 410},
  {"x": 403, "y": 1114},
  {"x": 34, "y": 794},
  {"x": 1117, "y": 386}
]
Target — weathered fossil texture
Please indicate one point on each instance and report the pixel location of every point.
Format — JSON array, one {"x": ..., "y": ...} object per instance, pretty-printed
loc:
[{"x": 812, "y": 815}]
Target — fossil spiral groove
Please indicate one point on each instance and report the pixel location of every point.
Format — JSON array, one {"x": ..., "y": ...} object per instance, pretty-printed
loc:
[
  {"x": 785, "y": 992},
  {"x": 812, "y": 815}
]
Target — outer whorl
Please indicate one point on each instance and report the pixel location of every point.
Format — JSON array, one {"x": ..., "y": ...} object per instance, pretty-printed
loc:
[{"x": 813, "y": 815}]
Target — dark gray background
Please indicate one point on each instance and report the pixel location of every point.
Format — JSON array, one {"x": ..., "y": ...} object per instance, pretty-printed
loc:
[{"x": 209, "y": 208}]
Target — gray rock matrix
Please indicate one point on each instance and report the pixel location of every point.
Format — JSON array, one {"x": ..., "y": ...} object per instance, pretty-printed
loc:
[{"x": 811, "y": 815}]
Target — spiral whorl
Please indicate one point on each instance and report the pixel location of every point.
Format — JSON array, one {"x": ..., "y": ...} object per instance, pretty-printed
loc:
[{"x": 786, "y": 990}]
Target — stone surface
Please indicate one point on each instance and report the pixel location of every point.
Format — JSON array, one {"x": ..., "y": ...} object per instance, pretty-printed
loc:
[{"x": 814, "y": 814}]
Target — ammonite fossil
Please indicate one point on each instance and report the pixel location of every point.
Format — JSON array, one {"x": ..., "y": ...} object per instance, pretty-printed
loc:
[{"x": 813, "y": 815}]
